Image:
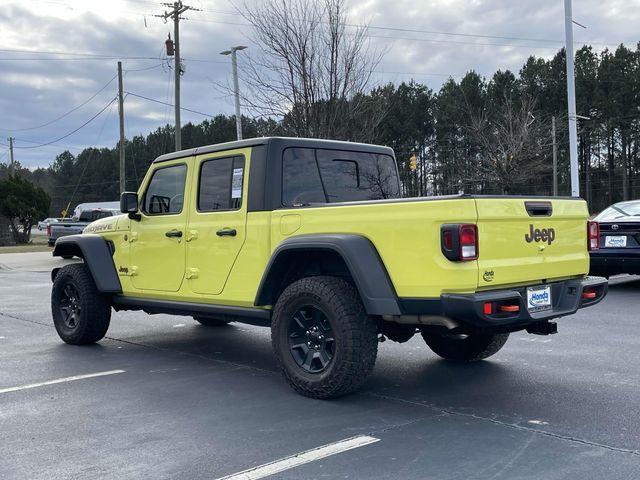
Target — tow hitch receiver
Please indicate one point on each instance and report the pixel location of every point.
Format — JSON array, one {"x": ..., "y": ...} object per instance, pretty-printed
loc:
[{"x": 543, "y": 328}]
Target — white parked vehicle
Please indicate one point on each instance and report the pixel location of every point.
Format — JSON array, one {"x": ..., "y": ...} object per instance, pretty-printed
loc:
[{"x": 83, "y": 207}]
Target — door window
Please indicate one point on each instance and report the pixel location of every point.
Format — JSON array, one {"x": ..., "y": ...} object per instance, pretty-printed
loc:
[
  {"x": 220, "y": 185},
  {"x": 165, "y": 193}
]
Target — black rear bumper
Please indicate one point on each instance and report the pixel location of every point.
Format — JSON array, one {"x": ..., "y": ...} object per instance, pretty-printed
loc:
[
  {"x": 469, "y": 309},
  {"x": 607, "y": 262},
  {"x": 566, "y": 299}
]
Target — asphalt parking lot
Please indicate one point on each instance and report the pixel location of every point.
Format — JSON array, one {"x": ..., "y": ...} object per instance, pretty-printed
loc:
[{"x": 163, "y": 397}]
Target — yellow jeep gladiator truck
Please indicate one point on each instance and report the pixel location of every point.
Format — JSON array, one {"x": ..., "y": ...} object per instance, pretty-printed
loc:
[{"x": 312, "y": 238}]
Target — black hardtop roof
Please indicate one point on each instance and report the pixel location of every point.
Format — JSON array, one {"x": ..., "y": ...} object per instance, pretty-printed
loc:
[{"x": 283, "y": 142}]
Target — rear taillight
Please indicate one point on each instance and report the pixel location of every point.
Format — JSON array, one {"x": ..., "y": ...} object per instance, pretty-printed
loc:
[
  {"x": 48, "y": 230},
  {"x": 459, "y": 242},
  {"x": 593, "y": 236},
  {"x": 468, "y": 242}
]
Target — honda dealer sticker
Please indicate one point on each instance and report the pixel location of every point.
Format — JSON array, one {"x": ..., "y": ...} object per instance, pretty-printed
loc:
[{"x": 538, "y": 298}]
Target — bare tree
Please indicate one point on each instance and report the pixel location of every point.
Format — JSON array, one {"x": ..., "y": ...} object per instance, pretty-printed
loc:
[
  {"x": 311, "y": 69},
  {"x": 511, "y": 142}
]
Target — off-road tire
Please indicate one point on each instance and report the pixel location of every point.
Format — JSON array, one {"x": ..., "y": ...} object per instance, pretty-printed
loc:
[
  {"x": 355, "y": 333},
  {"x": 464, "y": 350},
  {"x": 211, "y": 322},
  {"x": 94, "y": 313}
]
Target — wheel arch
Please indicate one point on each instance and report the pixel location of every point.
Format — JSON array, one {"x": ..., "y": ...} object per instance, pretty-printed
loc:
[
  {"x": 96, "y": 252},
  {"x": 334, "y": 254}
]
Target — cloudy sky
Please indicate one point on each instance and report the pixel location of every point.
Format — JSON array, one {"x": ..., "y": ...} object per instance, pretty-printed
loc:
[{"x": 58, "y": 57}]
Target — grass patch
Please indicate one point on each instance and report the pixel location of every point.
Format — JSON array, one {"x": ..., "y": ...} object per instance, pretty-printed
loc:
[
  {"x": 30, "y": 247},
  {"x": 38, "y": 244}
]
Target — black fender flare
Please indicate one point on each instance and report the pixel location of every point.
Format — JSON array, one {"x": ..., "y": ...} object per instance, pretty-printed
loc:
[
  {"x": 361, "y": 258},
  {"x": 97, "y": 256}
]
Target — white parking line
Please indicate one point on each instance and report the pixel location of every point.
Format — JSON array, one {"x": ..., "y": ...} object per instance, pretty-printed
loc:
[
  {"x": 302, "y": 458},
  {"x": 60, "y": 380}
]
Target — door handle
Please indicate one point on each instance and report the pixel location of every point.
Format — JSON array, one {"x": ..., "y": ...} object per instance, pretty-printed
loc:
[
  {"x": 227, "y": 232},
  {"x": 173, "y": 234}
]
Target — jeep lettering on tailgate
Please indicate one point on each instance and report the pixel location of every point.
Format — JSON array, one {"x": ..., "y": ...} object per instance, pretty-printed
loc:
[{"x": 540, "y": 235}]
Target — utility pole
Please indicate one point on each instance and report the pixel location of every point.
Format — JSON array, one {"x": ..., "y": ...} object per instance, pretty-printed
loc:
[
  {"x": 236, "y": 88},
  {"x": 177, "y": 9},
  {"x": 121, "y": 115},
  {"x": 555, "y": 156},
  {"x": 571, "y": 99},
  {"x": 11, "y": 139}
]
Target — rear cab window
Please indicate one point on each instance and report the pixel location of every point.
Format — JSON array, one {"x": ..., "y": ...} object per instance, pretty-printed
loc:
[
  {"x": 93, "y": 215},
  {"x": 328, "y": 176}
]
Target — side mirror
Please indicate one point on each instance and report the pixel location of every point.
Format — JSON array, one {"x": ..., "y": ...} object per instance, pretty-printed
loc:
[{"x": 129, "y": 204}]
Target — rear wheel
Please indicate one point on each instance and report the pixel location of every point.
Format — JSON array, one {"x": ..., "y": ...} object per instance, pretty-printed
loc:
[
  {"x": 324, "y": 342},
  {"x": 211, "y": 322},
  {"x": 81, "y": 314},
  {"x": 465, "y": 348}
]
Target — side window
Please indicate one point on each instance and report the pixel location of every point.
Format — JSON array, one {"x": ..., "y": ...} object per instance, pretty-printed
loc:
[
  {"x": 220, "y": 184},
  {"x": 353, "y": 176},
  {"x": 165, "y": 193},
  {"x": 329, "y": 176},
  {"x": 301, "y": 183}
]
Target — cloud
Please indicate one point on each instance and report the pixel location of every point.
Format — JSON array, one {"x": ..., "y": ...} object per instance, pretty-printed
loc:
[{"x": 35, "y": 89}]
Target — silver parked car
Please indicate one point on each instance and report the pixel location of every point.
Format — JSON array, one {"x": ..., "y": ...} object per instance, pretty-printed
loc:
[{"x": 43, "y": 224}]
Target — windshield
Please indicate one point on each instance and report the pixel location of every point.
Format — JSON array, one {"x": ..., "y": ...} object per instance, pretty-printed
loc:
[{"x": 620, "y": 211}]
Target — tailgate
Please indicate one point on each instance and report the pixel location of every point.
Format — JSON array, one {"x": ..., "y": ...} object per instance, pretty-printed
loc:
[{"x": 524, "y": 240}]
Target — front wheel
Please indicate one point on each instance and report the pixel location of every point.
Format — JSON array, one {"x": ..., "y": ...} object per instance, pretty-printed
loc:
[
  {"x": 465, "y": 348},
  {"x": 81, "y": 314},
  {"x": 324, "y": 341}
]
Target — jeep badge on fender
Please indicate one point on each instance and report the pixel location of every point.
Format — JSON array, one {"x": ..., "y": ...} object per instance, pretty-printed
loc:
[{"x": 540, "y": 235}]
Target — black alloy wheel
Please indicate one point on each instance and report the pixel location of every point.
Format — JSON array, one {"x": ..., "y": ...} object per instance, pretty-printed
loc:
[
  {"x": 324, "y": 342},
  {"x": 80, "y": 313},
  {"x": 311, "y": 339},
  {"x": 69, "y": 305}
]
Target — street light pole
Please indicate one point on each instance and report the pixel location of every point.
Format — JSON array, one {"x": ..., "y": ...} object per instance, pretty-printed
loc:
[
  {"x": 555, "y": 156},
  {"x": 236, "y": 88},
  {"x": 11, "y": 139},
  {"x": 123, "y": 182},
  {"x": 571, "y": 99}
]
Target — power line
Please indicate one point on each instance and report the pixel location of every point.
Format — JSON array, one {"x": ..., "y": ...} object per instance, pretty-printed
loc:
[
  {"x": 411, "y": 30},
  {"x": 74, "y": 54},
  {"x": 71, "y": 147},
  {"x": 65, "y": 114},
  {"x": 72, "y": 59},
  {"x": 414, "y": 30},
  {"x": 90, "y": 160},
  {"x": 456, "y": 42},
  {"x": 170, "y": 104},
  {"x": 127, "y": 70},
  {"x": 75, "y": 130}
]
